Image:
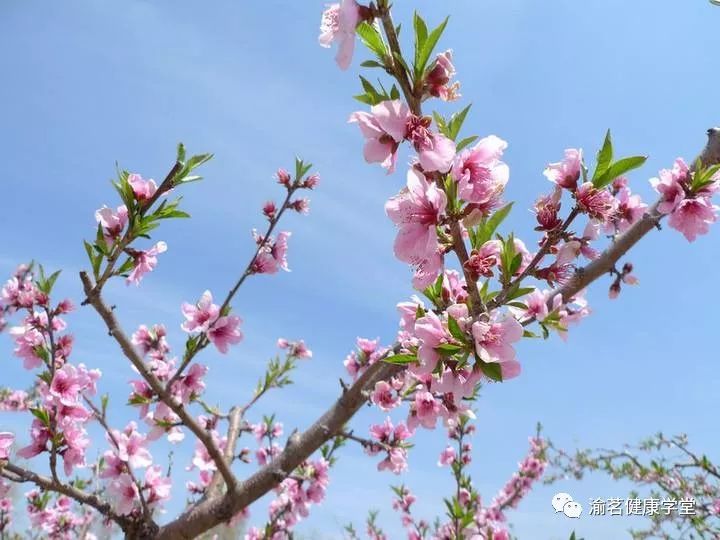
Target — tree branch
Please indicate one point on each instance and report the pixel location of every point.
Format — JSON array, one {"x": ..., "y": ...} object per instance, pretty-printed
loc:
[
  {"x": 108, "y": 316},
  {"x": 603, "y": 264},
  {"x": 216, "y": 510},
  {"x": 23, "y": 475}
]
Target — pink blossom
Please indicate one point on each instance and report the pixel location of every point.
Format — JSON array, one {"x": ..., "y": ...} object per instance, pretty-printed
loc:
[
  {"x": 629, "y": 211},
  {"x": 716, "y": 507},
  {"x": 482, "y": 261},
  {"x": 131, "y": 446},
  {"x": 494, "y": 339},
  {"x": 480, "y": 173},
  {"x": 39, "y": 436},
  {"x": 670, "y": 186},
  {"x": 262, "y": 430},
  {"x": 391, "y": 440},
  {"x": 447, "y": 456},
  {"x": 546, "y": 209},
  {"x": 66, "y": 385},
  {"x": 526, "y": 256},
  {"x": 162, "y": 421},
  {"x": 18, "y": 293},
  {"x": 536, "y": 306},
  {"x": 201, "y": 458},
  {"x": 269, "y": 210},
  {"x": 597, "y": 203},
  {"x": 427, "y": 269},
  {"x": 113, "y": 465},
  {"x": 437, "y": 81},
  {"x": 312, "y": 181},
  {"x": 265, "y": 454},
  {"x": 573, "y": 311},
  {"x": 16, "y": 400},
  {"x": 568, "y": 252},
  {"x": 151, "y": 340},
  {"x": 416, "y": 210},
  {"x": 6, "y": 441},
  {"x": 693, "y": 217},
  {"x": 157, "y": 484},
  {"x": 435, "y": 151},
  {"x": 396, "y": 461},
  {"x": 338, "y": 25},
  {"x": 124, "y": 494},
  {"x": 454, "y": 287},
  {"x": 225, "y": 332},
  {"x": 384, "y": 129},
  {"x": 272, "y": 255},
  {"x": 143, "y": 189},
  {"x": 75, "y": 438},
  {"x": 283, "y": 177},
  {"x": 145, "y": 262},
  {"x": 141, "y": 395},
  {"x": 301, "y": 206},
  {"x": 425, "y": 411},
  {"x": 112, "y": 223},
  {"x": 460, "y": 384},
  {"x": 201, "y": 315},
  {"x": 429, "y": 329},
  {"x": 296, "y": 349},
  {"x": 27, "y": 341},
  {"x": 191, "y": 384},
  {"x": 384, "y": 396},
  {"x": 566, "y": 172}
]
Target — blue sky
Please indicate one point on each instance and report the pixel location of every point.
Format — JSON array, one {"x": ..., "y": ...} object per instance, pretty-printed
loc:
[{"x": 90, "y": 83}]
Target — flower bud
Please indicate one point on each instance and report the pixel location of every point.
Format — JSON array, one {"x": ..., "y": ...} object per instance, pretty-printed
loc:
[{"x": 283, "y": 177}]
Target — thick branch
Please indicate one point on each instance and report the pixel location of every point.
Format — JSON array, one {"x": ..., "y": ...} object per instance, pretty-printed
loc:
[
  {"x": 603, "y": 264},
  {"x": 219, "y": 509}
]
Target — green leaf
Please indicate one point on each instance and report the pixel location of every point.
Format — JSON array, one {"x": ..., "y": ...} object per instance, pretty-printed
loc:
[
  {"x": 427, "y": 49},
  {"x": 604, "y": 158},
  {"x": 372, "y": 39},
  {"x": 441, "y": 124},
  {"x": 372, "y": 64},
  {"x": 456, "y": 122},
  {"x": 448, "y": 348},
  {"x": 518, "y": 291},
  {"x": 371, "y": 96},
  {"x": 421, "y": 34},
  {"x": 364, "y": 98},
  {"x": 467, "y": 141},
  {"x": 619, "y": 168},
  {"x": 181, "y": 152},
  {"x": 195, "y": 161},
  {"x": 486, "y": 229},
  {"x": 515, "y": 264},
  {"x": 401, "y": 359},
  {"x": 703, "y": 176},
  {"x": 301, "y": 168},
  {"x": 492, "y": 370},
  {"x": 50, "y": 282},
  {"x": 42, "y": 415},
  {"x": 455, "y": 330}
]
